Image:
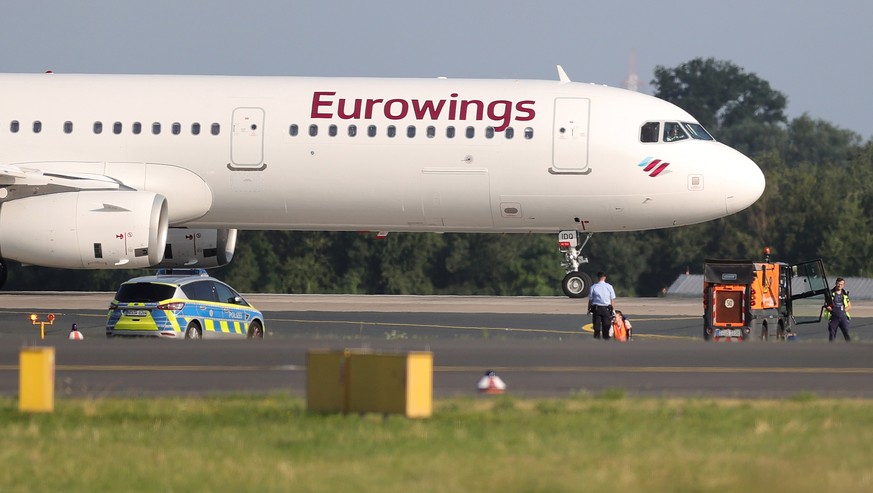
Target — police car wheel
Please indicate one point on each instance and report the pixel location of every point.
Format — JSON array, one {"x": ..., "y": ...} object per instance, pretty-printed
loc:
[
  {"x": 193, "y": 331},
  {"x": 256, "y": 330}
]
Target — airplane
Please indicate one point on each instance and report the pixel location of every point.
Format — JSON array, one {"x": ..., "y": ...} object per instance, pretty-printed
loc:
[{"x": 161, "y": 171}]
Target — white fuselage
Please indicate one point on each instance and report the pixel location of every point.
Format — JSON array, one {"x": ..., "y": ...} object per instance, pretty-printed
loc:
[{"x": 259, "y": 176}]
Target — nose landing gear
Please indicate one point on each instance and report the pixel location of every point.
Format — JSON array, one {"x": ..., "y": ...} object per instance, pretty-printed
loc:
[{"x": 576, "y": 283}]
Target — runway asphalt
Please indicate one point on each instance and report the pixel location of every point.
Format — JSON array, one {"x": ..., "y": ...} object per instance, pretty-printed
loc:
[{"x": 538, "y": 346}]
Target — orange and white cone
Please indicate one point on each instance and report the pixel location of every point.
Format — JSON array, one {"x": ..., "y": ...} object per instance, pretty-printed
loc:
[
  {"x": 75, "y": 335},
  {"x": 491, "y": 384}
]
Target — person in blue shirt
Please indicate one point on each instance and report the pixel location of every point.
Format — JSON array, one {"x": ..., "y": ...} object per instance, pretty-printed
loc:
[{"x": 601, "y": 303}]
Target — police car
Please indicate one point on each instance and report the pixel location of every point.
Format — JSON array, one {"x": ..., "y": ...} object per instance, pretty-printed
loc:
[{"x": 176, "y": 305}]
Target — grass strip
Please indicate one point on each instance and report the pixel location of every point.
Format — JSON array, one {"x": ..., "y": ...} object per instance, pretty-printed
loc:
[{"x": 600, "y": 443}]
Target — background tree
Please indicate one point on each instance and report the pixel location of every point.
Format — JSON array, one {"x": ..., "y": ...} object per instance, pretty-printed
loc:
[{"x": 719, "y": 94}]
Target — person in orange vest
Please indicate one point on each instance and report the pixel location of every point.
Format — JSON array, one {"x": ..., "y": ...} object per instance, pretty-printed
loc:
[
  {"x": 75, "y": 335},
  {"x": 621, "y": 327}
]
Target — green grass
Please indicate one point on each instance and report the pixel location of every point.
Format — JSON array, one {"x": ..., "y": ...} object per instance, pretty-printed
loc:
[{"x": 598, "y": 443}]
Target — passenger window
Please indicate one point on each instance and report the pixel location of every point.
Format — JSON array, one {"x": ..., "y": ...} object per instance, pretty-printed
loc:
[
  {"x": 37, "y": 126},
  {"x": 176, "y": 128},
  {"x": 13, "y": 126},
  {"x": 673, "y": 132},
  {"x": 353, "y": 130},
  {"x": 431, "y": 132},
  {"x": 510, "y": 133},
  {"x": 489, "y": 132},
  {"x": 98, "y": 128},
  {"x": 528, "y": 133},
  {"x": 410, "y": 131},
  {"x": 371, "y": 131},
  {"x": 137, "y": 128},
  {"x": 116, "y": 128},
  {"x": 471, "y": 132},
  {"x": 68, "y": 127},
  {"x": 216, "y": 129},
  {"x": 450, "y": 132},
  {"x": 293, "y": 130},
  {"x": 649, "y": 132},
  {"x": 313, "y": 130},
  {"x": 195, "y": 129},
  {"x": 392, "y": 130},
  {"x": 156, "y": 128},
  {"x": 332, "y": 130}
]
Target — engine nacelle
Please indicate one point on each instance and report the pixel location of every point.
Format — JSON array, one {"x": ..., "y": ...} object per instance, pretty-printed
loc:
[
  {"x": 198, "y": 248},
  {"x": 85, "y": 230}
]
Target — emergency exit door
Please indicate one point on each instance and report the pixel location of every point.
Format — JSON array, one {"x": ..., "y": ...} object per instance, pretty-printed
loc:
[
  {"x": 570, "y": 135},
  {"x": 247, "y": 139}
]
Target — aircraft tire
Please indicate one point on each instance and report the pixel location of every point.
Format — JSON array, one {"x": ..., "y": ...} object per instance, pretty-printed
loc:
[
  {"x": 576, "y": 284},
  {"x": 4, "y": 273}
]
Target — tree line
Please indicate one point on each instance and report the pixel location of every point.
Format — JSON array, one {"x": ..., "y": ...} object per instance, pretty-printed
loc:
[{"x": 817, "y": 203}]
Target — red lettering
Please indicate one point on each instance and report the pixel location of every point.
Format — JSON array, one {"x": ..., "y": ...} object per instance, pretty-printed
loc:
[
  {"x": 317, "y": 103},
  {"x": 368, "y": 113},
  {"x": 505, "y": 116},
  {"x": 500, "y": 111},
  {"x": 341, "y": 110},
  {"x": 427, "y": 107},
  {"x": 480, "y": 108},
  {"x": 404, "y": 109},
  {"x": 522, "y": 106}
]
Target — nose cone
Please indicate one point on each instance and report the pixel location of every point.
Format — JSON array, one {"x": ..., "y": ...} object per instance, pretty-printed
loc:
[{"x": 747, "y": 184}]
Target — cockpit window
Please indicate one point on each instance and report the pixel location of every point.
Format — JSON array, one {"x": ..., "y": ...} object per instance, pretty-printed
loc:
[
  {"x": 649, "y": 132},
  {"x": 698, "y": 132},
  {"x": 673, "y": 131}
]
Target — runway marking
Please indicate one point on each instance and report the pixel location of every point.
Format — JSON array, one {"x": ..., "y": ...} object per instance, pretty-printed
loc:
[
  {"x": 207, "y": 368},
  {"x": 654, "y": 369},
  {"x": 427, "y": 326},
  {"x": 476, "y": 369}
]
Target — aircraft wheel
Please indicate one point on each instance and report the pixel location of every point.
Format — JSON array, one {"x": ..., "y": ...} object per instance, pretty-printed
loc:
[
  {"x": 193, "y": 331},
  {"x": 576, "y": 284}
]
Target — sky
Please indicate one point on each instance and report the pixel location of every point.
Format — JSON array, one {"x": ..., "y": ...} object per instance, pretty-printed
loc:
[{"x": 816, "y": 53}]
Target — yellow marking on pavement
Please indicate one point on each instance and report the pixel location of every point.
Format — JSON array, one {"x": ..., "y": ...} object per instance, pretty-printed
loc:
[
  {"x": 424, "y": 326},
  {"x": 654, "y": 369},
  {"x": 477, "y": 369}
]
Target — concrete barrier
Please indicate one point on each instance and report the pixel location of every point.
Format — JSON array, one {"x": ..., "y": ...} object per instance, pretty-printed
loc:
[{"x": 362, "y": 381}]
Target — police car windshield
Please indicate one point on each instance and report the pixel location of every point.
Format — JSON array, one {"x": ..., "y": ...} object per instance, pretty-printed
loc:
[{"x": 144, "y": 292}]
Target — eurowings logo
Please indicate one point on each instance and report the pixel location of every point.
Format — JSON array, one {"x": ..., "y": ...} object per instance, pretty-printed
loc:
[{"x": 653, "y": 167}]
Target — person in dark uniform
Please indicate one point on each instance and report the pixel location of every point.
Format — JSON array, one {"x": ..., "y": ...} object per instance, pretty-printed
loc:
[
  {"x": 601, "y": 302},
  {"x": 837, "y": 313}
]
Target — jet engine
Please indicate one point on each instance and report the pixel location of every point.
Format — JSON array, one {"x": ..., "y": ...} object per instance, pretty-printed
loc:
[
  {"x": 200, "y": 248},
  {"x": 85, "y": 229}
]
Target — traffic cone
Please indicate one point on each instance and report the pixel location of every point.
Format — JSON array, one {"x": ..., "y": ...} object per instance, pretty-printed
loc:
[
  {"x": 491, "y": 384},
  {"x": 75, "y": 335}
]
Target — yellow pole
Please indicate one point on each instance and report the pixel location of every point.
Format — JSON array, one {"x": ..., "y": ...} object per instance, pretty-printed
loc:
[{"x": 36, "y": 383}]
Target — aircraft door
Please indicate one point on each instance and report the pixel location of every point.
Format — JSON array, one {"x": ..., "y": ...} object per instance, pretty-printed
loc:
[
  {"x": 570, "y": 135},
  {"x": 247, "y": 139}
]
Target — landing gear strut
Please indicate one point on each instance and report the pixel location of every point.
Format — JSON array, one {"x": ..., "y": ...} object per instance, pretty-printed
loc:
[
  {"x": 576, "y": 283},
  {"x": 3, "y": 272}
]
